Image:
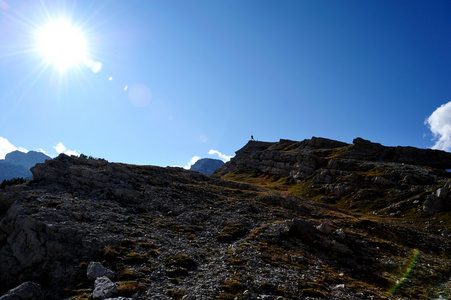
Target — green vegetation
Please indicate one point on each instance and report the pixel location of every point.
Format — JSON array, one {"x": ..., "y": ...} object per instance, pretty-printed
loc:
[
  {"x": 83, "y": 156},
  {"x": 12, "y": 181}
]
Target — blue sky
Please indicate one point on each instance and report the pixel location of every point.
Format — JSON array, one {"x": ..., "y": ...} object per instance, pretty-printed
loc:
[{"x": 186, "y": 79}]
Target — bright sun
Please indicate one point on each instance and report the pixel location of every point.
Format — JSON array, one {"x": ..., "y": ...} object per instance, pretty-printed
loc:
[{"x": 62, "y": 44}]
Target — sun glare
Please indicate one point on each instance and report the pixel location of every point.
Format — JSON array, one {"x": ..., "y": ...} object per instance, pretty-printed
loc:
[{"x": 62, "y": 44}]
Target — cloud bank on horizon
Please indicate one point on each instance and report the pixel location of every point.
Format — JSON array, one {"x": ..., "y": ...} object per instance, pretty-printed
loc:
[
  {"x": 7, "y": 147},
  {"x": 439, "y": 122}
]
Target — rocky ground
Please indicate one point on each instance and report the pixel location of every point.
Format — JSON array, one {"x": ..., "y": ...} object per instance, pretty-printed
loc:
[{"x": 338, "y": 222}]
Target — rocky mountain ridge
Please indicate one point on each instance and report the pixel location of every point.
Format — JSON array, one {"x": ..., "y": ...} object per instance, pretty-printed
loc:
[
  {"x": 206, "y": 165},
  {"x": 17, "y": 164},
  {"x": 316, "y": 219},
  {"x": 291, "y": 158},
  {"x": 363, "y": 174}
]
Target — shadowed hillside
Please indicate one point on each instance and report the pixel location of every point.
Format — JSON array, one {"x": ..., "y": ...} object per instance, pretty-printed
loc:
[{"x": 316, "y": 219}]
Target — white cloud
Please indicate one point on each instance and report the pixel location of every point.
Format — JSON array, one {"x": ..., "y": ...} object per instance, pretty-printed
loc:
[
  {"x": 191, "y": 162},
  {"x": 224, "y": 157},
  {"x": 6, "y": 147},
  {"x": 439, "y": 122},
  {"x": 60, "y": 148},
  {"x": 43, "y": 151}
]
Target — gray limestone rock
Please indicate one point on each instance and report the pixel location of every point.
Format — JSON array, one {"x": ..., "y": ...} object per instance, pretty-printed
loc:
[
  {"x": 104, "y": 288},
  {"x": 96, "y": 269}
]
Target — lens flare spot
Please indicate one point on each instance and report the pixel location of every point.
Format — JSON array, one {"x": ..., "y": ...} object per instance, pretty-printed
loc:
[
  {"x": 4, "y": 5},
  {"x": 139, "y": 95},
  {"x": 411, "y": 265},
  {"x": 95, "y": 66}
]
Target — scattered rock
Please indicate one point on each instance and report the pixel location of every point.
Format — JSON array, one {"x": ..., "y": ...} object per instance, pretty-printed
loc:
[
  {"x": 341, "y": 234},
  {"x": 302, "y": 229},
  {"x": 104, "y": 288},
  {"x": 434, "y": 204},
  {"x": 324, "y": 227},
  {"x": 96, "y": 269}
]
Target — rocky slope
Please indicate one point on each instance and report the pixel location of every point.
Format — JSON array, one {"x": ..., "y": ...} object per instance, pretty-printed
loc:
[{"x": 264, "y": 228}]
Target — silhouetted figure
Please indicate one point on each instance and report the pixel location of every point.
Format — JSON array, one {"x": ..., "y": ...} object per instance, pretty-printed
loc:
[{"x": 252, "y": 137}]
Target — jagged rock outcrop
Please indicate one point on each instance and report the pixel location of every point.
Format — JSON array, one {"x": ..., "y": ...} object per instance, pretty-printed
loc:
[
  {"x": 352, "y": 174},
  {"x": 300, "y": 159}
]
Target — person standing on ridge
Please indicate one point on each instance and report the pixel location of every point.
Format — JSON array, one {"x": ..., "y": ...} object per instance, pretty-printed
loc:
[{"x": 252, "y": 137}]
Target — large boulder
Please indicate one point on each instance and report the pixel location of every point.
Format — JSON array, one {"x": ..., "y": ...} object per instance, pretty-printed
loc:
[{"x": 104, "y": 288}]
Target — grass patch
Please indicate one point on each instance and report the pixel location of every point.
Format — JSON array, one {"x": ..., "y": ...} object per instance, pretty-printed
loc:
[
  {"x": 129, "y": 288},
  {"x": 232, "y": 232},
  {"x": 179, "y": 260},
  {"x": 127, "y": 274},
  {"x": 135, "y": 258}
]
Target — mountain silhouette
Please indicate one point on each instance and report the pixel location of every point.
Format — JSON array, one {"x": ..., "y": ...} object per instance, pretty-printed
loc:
[
  {"x": 17, "y": 164},
  {"x": 206, "y": 165}
]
